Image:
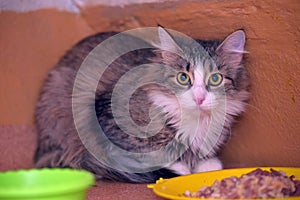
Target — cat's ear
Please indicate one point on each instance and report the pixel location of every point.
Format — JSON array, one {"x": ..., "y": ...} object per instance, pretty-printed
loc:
[
  {"x": 231, "y": 50},
  {"x": 166, "y": 41}
]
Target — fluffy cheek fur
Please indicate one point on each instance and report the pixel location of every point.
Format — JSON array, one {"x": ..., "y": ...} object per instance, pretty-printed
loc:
[
  {"x": 183, "y": 108},
  {"x": 191, "y": 120},
  {"x": 234, "y": 105},
  {"x": 176, "y": 106}
]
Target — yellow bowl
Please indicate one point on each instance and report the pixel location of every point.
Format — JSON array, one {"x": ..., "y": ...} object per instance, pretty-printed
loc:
[{"x": 175, "y": 187}]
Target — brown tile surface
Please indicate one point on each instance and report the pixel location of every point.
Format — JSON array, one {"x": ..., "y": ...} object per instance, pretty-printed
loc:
[{"x": 113, "y": 190}]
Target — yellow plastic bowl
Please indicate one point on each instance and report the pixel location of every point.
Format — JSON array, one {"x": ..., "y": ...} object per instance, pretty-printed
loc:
[
  {"x": 175, "y": 187},
  {"x": 45, "y": 184}
]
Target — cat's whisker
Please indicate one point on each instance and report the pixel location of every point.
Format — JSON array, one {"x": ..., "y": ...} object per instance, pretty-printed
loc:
[
  {"x": 252, "y": 106},
  {"x": 229, "y": 133},
  {"x": 238, "y": 51}
]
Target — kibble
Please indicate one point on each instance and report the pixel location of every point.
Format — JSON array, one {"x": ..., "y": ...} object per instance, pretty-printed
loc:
[{"x": 255, "y": 184}]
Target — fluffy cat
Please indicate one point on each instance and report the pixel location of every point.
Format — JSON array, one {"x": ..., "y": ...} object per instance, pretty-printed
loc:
[{"x": 205, "y": 81}]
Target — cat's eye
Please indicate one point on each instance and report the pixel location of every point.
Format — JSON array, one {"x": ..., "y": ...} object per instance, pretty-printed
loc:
[
  {"x": 215, "y": 79},
  {"x": 183, "y": 78}
]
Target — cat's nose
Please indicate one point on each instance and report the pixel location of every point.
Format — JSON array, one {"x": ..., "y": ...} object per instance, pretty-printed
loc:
[
  {"x": 199, "y": 100},
  {"x": 199, "y": 95}
]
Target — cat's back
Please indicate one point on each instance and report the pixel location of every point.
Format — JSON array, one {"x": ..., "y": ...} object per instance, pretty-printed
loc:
[
  {"x": 53, "y": 112},
  {"x": 58, "y": 85}
]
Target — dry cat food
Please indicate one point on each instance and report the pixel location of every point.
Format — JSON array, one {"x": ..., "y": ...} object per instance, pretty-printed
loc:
[{"x": 255, "y": 184}]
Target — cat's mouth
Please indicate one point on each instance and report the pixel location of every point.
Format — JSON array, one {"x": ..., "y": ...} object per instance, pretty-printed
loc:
[
  {"x": 203, "y": 107},
  {"x": 205, "y": 104}
]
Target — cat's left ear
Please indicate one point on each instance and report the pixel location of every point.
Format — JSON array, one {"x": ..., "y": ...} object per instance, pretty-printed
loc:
[
  {"x": 231, "y": 50},
  {"x": 166, "y": 41}
]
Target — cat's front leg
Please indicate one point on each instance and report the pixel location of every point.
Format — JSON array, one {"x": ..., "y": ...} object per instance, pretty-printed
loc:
[
  {"x": 179, "y": 168},
  {"x": 210, "y": 164}
]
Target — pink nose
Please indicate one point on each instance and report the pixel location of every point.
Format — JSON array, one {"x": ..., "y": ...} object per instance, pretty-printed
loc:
[
  {"x": 199, "y": 94},
  {"x": 199, "y": 100}
]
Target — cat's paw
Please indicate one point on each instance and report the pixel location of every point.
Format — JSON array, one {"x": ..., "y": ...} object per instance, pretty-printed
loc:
[
  {"x": 210, "y": 164},
  {"x": 179, "y": 168}
]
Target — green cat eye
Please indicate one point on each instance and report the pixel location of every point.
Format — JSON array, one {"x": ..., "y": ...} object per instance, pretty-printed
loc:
[
  {"x": 215, "y": 79},
  {"x": 183, "y": 78}
]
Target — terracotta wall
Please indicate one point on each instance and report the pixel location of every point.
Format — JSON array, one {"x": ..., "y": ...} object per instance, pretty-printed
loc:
[{"x": 268, "y": 134}]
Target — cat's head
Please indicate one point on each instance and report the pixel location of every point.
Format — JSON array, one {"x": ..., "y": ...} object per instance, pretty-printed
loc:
[{"x": 206, "y": 78}]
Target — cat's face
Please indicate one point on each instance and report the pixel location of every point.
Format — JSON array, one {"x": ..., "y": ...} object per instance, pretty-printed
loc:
[
  {"x": 203, "y": 82},
  {"x": 203, "y": 86}
]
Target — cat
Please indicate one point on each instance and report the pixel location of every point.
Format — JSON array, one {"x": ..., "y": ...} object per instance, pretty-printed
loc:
[{"x": 202, "y": 82}]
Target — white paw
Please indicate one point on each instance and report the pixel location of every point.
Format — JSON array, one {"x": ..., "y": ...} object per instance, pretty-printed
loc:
[
  {"x": 208, "y": 165},
  {"x": 179, "y": 168}
]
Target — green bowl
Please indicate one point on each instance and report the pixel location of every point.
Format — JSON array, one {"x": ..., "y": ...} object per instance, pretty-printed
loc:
[{"x": 45, "y": 184}]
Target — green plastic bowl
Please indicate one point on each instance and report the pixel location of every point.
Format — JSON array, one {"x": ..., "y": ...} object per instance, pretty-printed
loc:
[{"x": 45, "y": 184}]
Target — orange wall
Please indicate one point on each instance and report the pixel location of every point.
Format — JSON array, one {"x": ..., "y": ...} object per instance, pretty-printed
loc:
[{"x": 268, "y": 134}]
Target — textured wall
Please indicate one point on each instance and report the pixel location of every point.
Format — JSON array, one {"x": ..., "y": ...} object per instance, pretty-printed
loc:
[{"x": 268, "y": 134}]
